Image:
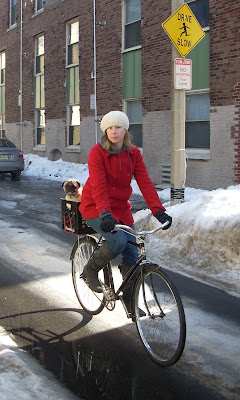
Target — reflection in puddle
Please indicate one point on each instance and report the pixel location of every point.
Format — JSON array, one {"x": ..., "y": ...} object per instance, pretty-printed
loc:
[
  {"x": 95, "y": 367},
  {"x": 109, "y": 365}
]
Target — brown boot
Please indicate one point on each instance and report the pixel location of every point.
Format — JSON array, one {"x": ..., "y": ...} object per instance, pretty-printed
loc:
[{"x": 102, "y": 256}]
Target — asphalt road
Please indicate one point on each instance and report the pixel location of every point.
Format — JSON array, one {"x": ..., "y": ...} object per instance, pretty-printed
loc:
[{"x": 102, "y": 357}]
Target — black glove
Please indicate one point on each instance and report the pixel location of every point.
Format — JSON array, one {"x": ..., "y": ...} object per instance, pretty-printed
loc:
[
  {"x": 107, "y": 222},
  {"x": 163, "y": 217}
]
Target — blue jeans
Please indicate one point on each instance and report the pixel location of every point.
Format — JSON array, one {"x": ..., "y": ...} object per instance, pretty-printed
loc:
[{"x": 118, "y": 242}]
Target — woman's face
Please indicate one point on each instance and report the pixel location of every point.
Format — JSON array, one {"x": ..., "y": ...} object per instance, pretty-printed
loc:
[{"x": 116, "y": 135}]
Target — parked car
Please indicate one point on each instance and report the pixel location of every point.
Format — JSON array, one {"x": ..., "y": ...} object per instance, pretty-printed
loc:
[{"x": 11, "y": 159}]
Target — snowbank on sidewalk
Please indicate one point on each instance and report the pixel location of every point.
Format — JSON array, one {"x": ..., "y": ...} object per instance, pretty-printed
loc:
[
  {"x": 23, "y": 378},
  {"x": 204, "y": 238}
]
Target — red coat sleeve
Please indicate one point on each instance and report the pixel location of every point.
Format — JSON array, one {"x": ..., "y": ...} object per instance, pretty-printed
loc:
[
  {"x": 98, "y": 181},
  {"x": 145, "y": 184}
]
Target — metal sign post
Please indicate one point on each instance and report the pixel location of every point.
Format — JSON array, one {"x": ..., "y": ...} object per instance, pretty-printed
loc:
[
  {"x": 185, "y": 33},
  {"x": 178, "y": 158}
]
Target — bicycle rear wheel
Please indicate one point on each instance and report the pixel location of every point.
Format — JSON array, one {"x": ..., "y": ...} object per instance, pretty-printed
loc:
[
  {"x": 91, "y": 302},
  {"x": 163, "y": 329}
]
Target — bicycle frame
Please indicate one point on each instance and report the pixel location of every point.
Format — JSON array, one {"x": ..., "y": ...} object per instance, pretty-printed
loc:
[
  {"x": 143, "y": 236},
  {"x": 108, "y": 275},
  {"x": 108, "y": 278},
  {"x": 107, "y": 270}
]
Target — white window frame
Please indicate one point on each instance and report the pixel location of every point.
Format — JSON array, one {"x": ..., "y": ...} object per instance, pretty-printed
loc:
[
  {"x": 36, "y": 55},
  {"x": 67, "y": 42},
  {"x": 1, "y": 62},
  {"x": 11, "y": 25},
  {"x": 37, "y": 10},
  {"x": 198, "y": 153},
  {"x": 71, "y": 147},
  {"x": 37, "y": 110},
  {"x": 37, "y": 126},
  {"x": 69, "y": 117},
  {"x": 124, "y": 10}
]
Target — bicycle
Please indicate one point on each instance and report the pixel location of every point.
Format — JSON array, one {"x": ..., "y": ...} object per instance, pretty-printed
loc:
[{"x": 162, "y": 328}]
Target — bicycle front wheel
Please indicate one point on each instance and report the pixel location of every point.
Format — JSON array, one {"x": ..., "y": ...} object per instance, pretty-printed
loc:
[
  {"x": 163, "y": 329},
  {"x": 91, "y": 302}
]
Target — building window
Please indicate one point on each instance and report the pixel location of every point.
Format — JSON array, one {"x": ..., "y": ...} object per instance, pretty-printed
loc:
[
  {"x": 74, "y": 126},
  {"x": 132, "y": 24},
  {"x": 2, "y": 68},
  {"x": 197, "y": 100},
  {"x": 200, "y": 9},
  {"x": 72, "y": 87},
  {"x": 73, "y": 43},
  {"x": 40, "y": 55},
  {"x": 39, "y": 5},
  {"x": 2, "y": 125},
  {"x": 13, "y": 12},
  {"x": 197, "y": 121},
  {"x": 40, "y": 127},
  {"x": 2, "y": 94},
  {"x": 131, "y": 67},
  {"x": 39, "y": 92},
  {"x": 134, "y": 112}
]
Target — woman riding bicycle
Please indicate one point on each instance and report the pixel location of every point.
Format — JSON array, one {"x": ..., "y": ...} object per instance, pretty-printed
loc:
[{"x": 106, "y": 194}]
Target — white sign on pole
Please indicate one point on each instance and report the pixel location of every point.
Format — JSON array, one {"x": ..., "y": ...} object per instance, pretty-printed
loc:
[
  {"x": 183, "y": 74},
  {"x": 92, "y": 101}
]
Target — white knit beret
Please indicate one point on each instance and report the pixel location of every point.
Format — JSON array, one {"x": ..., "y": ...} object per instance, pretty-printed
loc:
[{"x": 114, "y": 118}]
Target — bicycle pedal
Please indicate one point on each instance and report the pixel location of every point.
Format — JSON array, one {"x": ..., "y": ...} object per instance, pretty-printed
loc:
[{"x": 109, "y": 297}]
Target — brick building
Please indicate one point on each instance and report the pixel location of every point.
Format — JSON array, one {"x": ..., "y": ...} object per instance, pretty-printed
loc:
[{"x": 47, "y": 85}]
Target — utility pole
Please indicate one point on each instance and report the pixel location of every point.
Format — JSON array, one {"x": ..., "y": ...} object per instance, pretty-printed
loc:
[{"x": 178, "y": 158}]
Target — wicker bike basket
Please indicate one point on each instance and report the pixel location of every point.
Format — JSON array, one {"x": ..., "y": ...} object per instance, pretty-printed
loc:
[{"x": 72, "y": 220}]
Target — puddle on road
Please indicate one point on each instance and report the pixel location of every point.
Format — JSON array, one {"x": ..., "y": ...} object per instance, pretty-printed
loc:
[
  {"x": 109, "y": 365},
  {"x": 98, "y": 367}
]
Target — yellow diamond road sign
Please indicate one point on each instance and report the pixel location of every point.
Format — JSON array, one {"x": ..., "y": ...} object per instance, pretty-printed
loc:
[{"x": 183, "y": 29}]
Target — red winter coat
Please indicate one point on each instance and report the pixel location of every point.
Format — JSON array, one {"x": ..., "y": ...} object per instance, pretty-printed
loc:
[{"x": 109, "y": 184}]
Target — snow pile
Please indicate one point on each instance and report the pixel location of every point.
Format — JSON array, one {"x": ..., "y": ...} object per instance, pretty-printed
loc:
[
  {"x": 55, "y": 170},
  {"x": 204, "y": 239},
  {"x": 23, "y": 378}
]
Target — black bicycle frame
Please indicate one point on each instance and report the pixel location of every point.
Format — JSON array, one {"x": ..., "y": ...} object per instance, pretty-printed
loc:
[{"x": 108, "y": 276}]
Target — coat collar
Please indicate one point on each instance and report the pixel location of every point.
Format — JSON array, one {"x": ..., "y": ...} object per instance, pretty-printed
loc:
[{"x": 103, "y": 140}]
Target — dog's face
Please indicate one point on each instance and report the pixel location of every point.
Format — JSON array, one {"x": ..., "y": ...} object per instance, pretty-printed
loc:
[{"x": 71, "y": 186}]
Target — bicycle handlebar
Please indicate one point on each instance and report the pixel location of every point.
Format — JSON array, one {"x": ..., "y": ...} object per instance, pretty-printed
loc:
[{"x": 128, "y": 229}]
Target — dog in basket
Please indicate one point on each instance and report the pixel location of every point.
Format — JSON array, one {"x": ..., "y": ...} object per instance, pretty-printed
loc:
[{"x": 73, "y": 190}]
